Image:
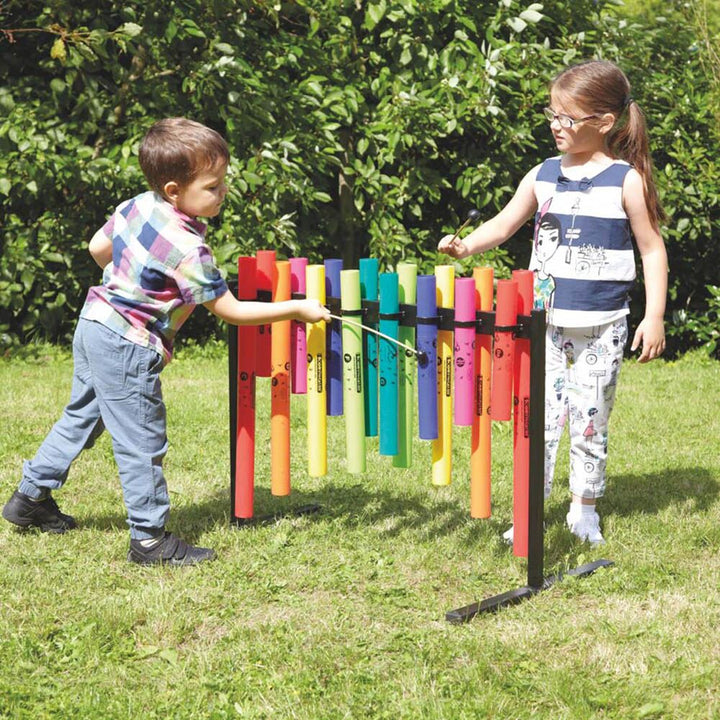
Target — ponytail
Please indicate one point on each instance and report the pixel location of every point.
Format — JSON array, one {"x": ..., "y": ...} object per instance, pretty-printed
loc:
[{"x": 629, "y": 141}]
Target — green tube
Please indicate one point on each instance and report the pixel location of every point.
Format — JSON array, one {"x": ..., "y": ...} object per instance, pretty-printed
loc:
[
  {"x": 352, "y": 357},
  {"x": 407, "y": 278}
]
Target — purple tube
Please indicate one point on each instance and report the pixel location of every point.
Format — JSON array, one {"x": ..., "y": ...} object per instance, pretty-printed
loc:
[
  {"x": 427, "y": 361},
  {"x": 464, "y": 347},
  {"x": 298, "y": 337},
  {"x": 333, "y": 267}
]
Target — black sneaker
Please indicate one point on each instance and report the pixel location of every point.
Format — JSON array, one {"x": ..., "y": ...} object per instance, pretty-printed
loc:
[
  {"x": 22, "y": 510},
  {"x": 170, "y": 550}
]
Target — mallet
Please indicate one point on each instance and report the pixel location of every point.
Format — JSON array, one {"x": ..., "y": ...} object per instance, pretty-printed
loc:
[
  {"x": 421, "y": 356},
  {"x": 472, "y": 216}
]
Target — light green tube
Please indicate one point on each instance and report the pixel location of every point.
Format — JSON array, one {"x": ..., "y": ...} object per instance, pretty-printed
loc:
[{"x": 353, "y": 390}]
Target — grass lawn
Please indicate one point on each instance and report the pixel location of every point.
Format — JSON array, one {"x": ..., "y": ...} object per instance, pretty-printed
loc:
[{"x": 340, "y": 614}]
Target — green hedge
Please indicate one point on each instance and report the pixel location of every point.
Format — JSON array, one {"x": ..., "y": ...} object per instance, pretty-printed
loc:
[{"x": 355, "y": 128}]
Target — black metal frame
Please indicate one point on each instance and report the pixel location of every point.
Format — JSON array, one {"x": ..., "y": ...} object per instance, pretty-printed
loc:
[{"x": 531, "y": 327}]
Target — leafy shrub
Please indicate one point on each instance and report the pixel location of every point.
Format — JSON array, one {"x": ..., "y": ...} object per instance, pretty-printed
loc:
[{"x": 355, "y": 128}]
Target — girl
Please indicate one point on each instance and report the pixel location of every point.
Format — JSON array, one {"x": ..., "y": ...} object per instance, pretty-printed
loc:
[{"x": 586, "y": 202}]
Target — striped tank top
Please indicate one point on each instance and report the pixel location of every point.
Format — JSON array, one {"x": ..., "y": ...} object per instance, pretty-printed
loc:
[{"x": 583, "y": 257}]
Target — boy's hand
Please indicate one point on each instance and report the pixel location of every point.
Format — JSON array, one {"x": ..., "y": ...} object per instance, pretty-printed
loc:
[
  {"x": 312, "y": 311},
  {"x": 650, "y": 334},
  {"x": 453, "y": 246}
]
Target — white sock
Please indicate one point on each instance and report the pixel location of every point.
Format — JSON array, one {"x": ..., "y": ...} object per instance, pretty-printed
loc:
[{"x": 578, "y": 509}]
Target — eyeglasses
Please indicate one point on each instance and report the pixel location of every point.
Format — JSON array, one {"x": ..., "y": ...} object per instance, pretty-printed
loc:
[{"x": 565, "y": 120}]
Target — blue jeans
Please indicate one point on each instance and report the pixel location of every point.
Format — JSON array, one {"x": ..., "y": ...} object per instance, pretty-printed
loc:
[{"x": 116, "y": 385}]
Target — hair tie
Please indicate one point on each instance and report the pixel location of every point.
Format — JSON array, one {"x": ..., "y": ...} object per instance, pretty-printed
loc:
[{"x": 630, "y": 99}]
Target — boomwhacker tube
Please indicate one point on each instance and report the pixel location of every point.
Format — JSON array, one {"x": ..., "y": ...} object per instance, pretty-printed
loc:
[
  {"x": 464, "y": 350},
  {"x": 388, "y": 354},
  {"x": 427, "y": 366},
  {"x": 265, "y": 268},
  {"x": 502, "y": 370},
  {"x": 407, "y": 284},
  {"x": 369, "y": 268},
  {"x": 481, "y": 453},
  {"x": 442, "y": 447},
  {"x": 280, "y": 387},
  {"x": 521, "y": 419},
  {"x": 511, "y": 319},
  {"x": 333, "y": 268},
  {"x": 245, "y": 429},
  {"x": 353, "y": 391},
  {"x": 316, "y": 403},
  {"x": 298, "y": 337}
]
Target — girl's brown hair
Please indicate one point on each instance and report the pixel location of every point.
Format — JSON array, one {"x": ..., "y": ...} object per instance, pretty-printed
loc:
[
  {"x": 600, "y": 86},
  {"x": 178, "y": 149}
]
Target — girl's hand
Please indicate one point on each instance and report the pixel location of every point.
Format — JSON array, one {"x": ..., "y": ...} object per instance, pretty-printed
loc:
[
  {"x": 650, "y": 334},
  {"x": 454, "y": 247},
  {"x": 312, "y": 311}
]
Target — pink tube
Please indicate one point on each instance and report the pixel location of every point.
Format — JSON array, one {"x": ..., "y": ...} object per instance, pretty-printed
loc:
[
  {"x": 298, "y": 336},
  {"x": 464, "y": 350}
]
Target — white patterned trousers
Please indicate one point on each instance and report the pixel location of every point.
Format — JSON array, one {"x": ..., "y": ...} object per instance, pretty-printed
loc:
[{"x": 581, "y": 373}]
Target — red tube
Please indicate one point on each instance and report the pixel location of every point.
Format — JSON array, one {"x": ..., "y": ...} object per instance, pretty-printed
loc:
[
  {"x": 265, "y": 270},
  {"x": 521, "y": 420}
]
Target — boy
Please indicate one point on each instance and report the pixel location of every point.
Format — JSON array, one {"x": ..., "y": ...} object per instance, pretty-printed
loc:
[{"x": 156, "y": 268}]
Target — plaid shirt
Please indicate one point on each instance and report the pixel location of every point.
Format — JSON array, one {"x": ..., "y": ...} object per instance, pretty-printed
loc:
[{"x": 161, "y": 269}]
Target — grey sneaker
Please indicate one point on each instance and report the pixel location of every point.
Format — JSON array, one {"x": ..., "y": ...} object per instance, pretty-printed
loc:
[
  {"x": 44, "y": 513},
  {"x": 169, "y": 550}
]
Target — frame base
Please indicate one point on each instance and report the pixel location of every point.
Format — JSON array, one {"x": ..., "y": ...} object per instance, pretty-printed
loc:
[{"x": 513, "y": 597}]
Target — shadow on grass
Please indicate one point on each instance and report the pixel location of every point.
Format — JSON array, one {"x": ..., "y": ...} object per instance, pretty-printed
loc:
[
  {"x": 391, "y": 514},
  {"x": 649, "y": 493}
]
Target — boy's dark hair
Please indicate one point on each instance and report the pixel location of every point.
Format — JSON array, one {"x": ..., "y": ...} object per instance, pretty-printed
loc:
[{"x": 179, "y": 149}]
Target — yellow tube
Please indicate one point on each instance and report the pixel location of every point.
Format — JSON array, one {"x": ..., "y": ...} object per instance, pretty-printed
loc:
[
  {"x": 316, "y": 396},
  {"x": 442, "y": 446}
]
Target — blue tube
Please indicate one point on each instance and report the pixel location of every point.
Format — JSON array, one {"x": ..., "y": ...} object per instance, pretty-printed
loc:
[
  {"x": 427, "y": 362},
  {"x": 333, "y": 343}
]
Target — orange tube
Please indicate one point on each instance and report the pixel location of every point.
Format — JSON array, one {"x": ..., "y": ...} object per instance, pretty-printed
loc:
[
  {"x": 280, "y": 387},
  {"x": 503, "y": 352},
  {"x": 481, "y": 454},
  {"x": 243, "y": 502}
]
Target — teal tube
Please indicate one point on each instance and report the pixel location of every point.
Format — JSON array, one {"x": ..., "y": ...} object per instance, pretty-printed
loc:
[
  {"x": 369, "y": 269},
  {"x": 388, "y": 365}
]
